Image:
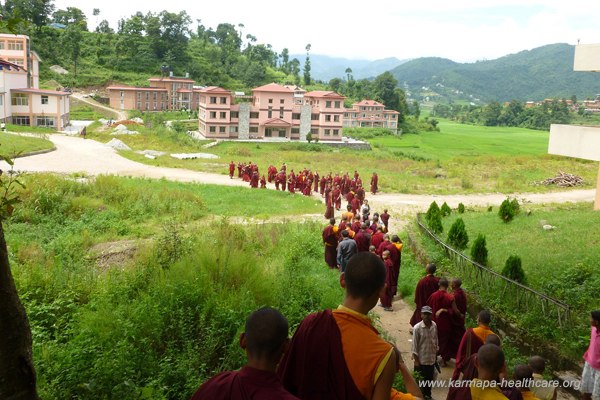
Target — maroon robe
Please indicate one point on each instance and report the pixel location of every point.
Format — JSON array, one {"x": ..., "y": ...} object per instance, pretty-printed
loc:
[
  {"x": 337, "y": 198},
  {"x": 469, "y": 344},
  {"x": 263, "y": 182},
  {"x": 363, "y": 241},
  {"x": 254, "y": 180},
  {"x": 374, "y": 181},
  {"x": 395, "y": 257},
  {"x": 329, "y": 211},
  {"x": 385, "y": 217},
  {"x": 321, "y": 373},
  {"x": 231, "y": 170},
  {"x": 459, "y": 393},
  {"x": 386, "y": 299},
  {"x": 360, "y": 194},
  {"x": 458, "y": 322},
  {"x": 322, "y": 183},
  {"x": 438, "y": 300},
  {"x": 355, "y": 226},
  {"x": 283, "y": 180},
  {"x": 376, "y": 240},
  {"x": 330, "y": 239},
  {"x": 316, "y": 182},
  {"x": 355, "y": 203},
  {"x": 425, "y": 288},
  {"x": 246, "y": 384}
]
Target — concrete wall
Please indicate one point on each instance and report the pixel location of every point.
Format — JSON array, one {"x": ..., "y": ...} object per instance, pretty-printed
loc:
[
  {"x": 244, "y": 121},
  {"x": 575, "y": 141},
  {"x": 305, "y": 113}
]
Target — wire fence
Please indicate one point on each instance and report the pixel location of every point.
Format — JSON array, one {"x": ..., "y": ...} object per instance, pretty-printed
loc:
[{"x": 503, "y": 291}]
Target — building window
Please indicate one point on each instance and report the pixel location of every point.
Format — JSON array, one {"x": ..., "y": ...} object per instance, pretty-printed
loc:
[
  {"x": 213, "y": 114},
  {"x": 223, "y": 115},
  {"x": 268, "y": 132},
  {"x": 223, "y": 100},
  {"x": 15, "y": 45},
  {"x": 328, "y": 104},
  {"x": 253, "y": 114},
  {"x": 295, "y": 130},
  {"x": 147, "y": 96},
  {"x": 1, "y": 100},
  {"x": 20, "y": 99},
  {"x": 154, "y": 96},
  {"x": 147, "y": 106},
  {"x": 139, "y": 96},
  {"x": 270, "y": 101},
  {"x": 336, "y": 132},
  {"x": 281, "y": 101},
  {"x": 336, "y": 118},
  {"x": 327, "y": 132},
  {"x": 235, "y": 114},
  {"x": 281, "y": 112},
  {"x": 21, "y": 121},
  {"x": 221, "y": 129},
  {"x": 254, "y": 129},
  {"x": 213, "y": 100},
  {"x": 233, "y": 129},
  {"x": 314, "y": 131},
  {"x": 212, "y": 129},
  {"x": 295, "y": 115},
  {"x": 337, "y": 104},
  {"x": 18, "y": 61},
  {"x": 139, "y": 105},
  {"x": 270, "y": 112},
  {"x": 44, "y": 99},
  {"x": 314, "y": 117},
  {"x": 327, "y": 118},
  {"x": 282, "y": 133},
  {"x": 45, "y": 121},
  {"x": 2, "y": 45}
]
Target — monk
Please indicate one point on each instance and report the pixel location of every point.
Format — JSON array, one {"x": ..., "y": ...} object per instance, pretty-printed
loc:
[
  {"x": 231, "y": 169},
  {"x": 356, "y": 224},
  {"x": 329, "y": 212},
  {"x": 490, "y": 363},
  {"x": 469, "y": 369},
  {"x": 330, "y": 240},
  {"x": 263, "y": 182},
  {"x": 472, "y": 340},
  {"x": 264, "y": 340},
  {"x": 444, "y": 308},
  {"x": 254, "y": 180},
  {"x": 282, "y": 180},
  {"x": 348, "y": 213},
  {"x": 316, "y": 182},
  {"x": 397, "y": 259},
  {"x": 355, "y": 203},
  {"x": 385, "y": 218},
  {"x": 360, "y": 194},
  {"x": 339, "y": 354},
  {"x": 425, "y": 288},
  {"x": 377, "y": 238},
  {"x": 322, "y": 183},
  {"x": 374, "y": 180},
  {"x": 337, "y": 197},
  {"x": 387, "y": 296},
  {"x": 458, "y": 322},
  {"x": 362, "y": 239}
]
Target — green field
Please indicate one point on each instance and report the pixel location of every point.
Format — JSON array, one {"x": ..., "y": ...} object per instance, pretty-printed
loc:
[
  {"x": 459, "y": 159},
  {"x": 14, "y": 144},
  {"x": 80, "y": 110}
]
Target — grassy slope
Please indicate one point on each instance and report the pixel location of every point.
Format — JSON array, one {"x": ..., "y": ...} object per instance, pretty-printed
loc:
[
  {"x": 459, "y": 159},
  {"x": 11, "y": 144}
]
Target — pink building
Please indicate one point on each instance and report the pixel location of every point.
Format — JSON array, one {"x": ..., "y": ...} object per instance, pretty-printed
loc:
[
  {"x": 371, "y": 114},
  {"x": 273, "y": 111}
]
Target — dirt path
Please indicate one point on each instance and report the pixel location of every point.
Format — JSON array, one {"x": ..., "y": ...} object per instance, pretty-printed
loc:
[{"x": 120, "y": 115}]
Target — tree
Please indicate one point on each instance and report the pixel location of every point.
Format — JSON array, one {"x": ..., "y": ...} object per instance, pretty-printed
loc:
[
  {"x": 71, "y": 40},
  {"x": 445, "y": 210},
  {"x": 384, "y": 89},
  {"x": 434, "y": 218},
  {"x": 70, "y": 16},
  {"x": 307, "y": 79},
  {"x": 457, "y": 235},
  {"x": 295, "y": 70},
  {"x": 506, "y": 211},
  {"x": 37, "y": 12},
  {"x": 17, "y": 373},
  {"x": 335, "y": 84},
  {"x": 479, "y": 251},
  {"x": 514, "y": 270},
  {"x": 416, "y": 109},
  {"x": 348, "y": 74},
  {"x": 285, "y": 61},
  {"x": 461, "y": 208},
  {"x": 491, "y": 114}
]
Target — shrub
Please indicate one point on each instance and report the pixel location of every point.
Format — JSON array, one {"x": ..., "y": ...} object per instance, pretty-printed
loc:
[
  {"x": 309, "y": 137},
  {"x": 461, "y": 208},
  {"x": 457, "y": 235},
  {"x": 515, "y": 206},
  {"x": 433, "y": 207},
  {"x": 479, "y": 251},
  {"x": 434, "y": 218},
  {"x": 506, "y": 212},
  {"x": 445, "y": 210},
  {"x": 513, "y": 269}
]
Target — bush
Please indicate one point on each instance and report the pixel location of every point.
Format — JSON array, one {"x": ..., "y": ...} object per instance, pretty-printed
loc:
[
  {"x": 445, "y": 210},
  {"x": 457, "y": 235},
  {"x": 434, "y": 218},
  {"x": 515, "y": 206},
  {"x": 309, "y": 137},
  {"x": 506, "y": 212},
  {"x": 433, "y": 207},
  {"x": 479, "y": 251},
  {"x": 513, "y": 269},
  {"x": 461, "y": 208}
]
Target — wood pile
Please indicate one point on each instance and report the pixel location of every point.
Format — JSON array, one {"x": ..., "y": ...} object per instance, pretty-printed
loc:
[{"x": 563, "y": 179}]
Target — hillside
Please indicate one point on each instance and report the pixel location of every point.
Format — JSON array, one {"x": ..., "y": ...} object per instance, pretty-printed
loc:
[
  {"x": 543, "y": 72},
  {"x": 326, "y": 68}
]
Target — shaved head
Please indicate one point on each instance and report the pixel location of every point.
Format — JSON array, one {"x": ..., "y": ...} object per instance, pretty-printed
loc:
[
  {"x": 492, "y": 338},
  {"x": 537, "y": 364},
  {"x": 484, "y": 317},
  {"x": 490, "y": 358},
  {"x": 431, "y": 268},
  {"x": 266, "y": 331},
  {"x": 364, "y": 275},
  {"x": 523, "y": 373}
]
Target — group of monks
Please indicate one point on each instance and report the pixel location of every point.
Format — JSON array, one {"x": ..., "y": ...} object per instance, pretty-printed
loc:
[{"x": 306, "y": 181}]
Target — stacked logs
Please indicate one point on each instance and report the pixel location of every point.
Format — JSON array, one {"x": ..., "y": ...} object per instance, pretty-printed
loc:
[{"x": 563, "y": 179}]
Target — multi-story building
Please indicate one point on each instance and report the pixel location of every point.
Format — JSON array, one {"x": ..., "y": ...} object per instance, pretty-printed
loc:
[
  {"x": 273, "y": 111},
  {"x": 21, "y": 100},
  {"x": 164, "y": 93},
  {"x": 372, "y": 114}
]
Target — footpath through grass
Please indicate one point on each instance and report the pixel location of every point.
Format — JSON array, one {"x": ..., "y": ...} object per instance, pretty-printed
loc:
[
  {"x": 459, "y": 159},
  {"x": 15, "y": 144}
]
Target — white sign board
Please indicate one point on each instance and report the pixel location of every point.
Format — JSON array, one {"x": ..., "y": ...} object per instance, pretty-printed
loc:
[{"x": 575, "y": 141}]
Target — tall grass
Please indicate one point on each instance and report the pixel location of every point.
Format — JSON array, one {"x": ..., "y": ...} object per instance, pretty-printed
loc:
[{"x": 12, "y": 145}]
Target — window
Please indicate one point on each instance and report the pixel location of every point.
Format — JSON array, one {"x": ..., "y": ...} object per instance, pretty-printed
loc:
[
  {"x": 328, "y": 104},
  {"x": 223, "y": 100},
  {"x": 223, "y": 115},
  {"x": 233, "y": 129},
  {"x": 281, "y": 112},
  {"x": 345, "y": 115},
  {"x": 254, "y": 129},
  {"x": 15, "y": 45},
  {"x": 337, "y": 104},
  {"x": 139, "y": 105},
  {"x": 327, "y": 132},
  {"x": 122, "y": 93},
  {"x": 336, "y": 118},
  {"x": 235, "y": 114},
  {"x": 147, "y": 106},
  {"x": 295, "y": 130},
  {"x": 1, "y": 100},
  {"x": 327, "y": 118},
  {"x": 393, "y": 116},
  {"x": 18, "y": 61},
  {"x": 139, "y": 96},
  {"x": 45, "y": 121},
  {"x": 314, "y": 131},
  {"x": 213, "y": 100},
  {"x": 20, "y": 99},
  {"x": 314, "y": 117},
  {"x": 212, "y": 129},
  {"x": 147, "y": 96},
  {"x": 1, "y": 45},
  {"x": 281, "y": 101},
  {"x": 221, "y": 129},
  {"x": 44, "y": 99},
  {"x": 20, "y": 121},
  {"x": 268, "y": 132},
  {"x": 270, "y": 101},
  {"x": 295, "y": 115},
  {"x": 336, "y": 132},
  {"x": 213, "y": 114},
  {"x": 154, "y": 96},
  {"x": 253, "y": 114},
  {"x": 270, "y": 112},
  {"x": 282, "y": 133}
]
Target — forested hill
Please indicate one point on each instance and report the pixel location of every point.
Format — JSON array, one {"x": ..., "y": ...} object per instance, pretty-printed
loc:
[
  {"x": 543, "y": 72},
  {"x": 326, "y": 68}
]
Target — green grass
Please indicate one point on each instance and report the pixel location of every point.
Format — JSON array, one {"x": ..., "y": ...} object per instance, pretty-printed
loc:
[
  {"x": 85, "y": 112},
  {"x": 12, "y": 145},
  {"x": 459, "y": 159},
  {"x": 29, "y": 129}
]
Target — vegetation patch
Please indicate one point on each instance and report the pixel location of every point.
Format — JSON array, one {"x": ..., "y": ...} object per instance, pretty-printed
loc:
[{"x": 13, "y": 145}]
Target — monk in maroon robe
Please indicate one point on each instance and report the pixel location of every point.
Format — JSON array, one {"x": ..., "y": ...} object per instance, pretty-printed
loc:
[
  {"x": 316, "y": 182},
  {"x": 283, "y": 180},
  {"x": 472, "y": 340},
  {"x": 425, "y": 288},
  {"x": 231, "y": 169},
  {"x": 263, "y": 182},
  {"x": 329, "y": 203},
  {"x": 374, "y": 180},
  {"x": 377, "y": 238},
  {"x": 388, "y": 296},
  {"x": 264, "y": 340},
  {"x": 458, "y": 322},
  {"x": 362, "y": 239},
  {"x": 385, "y": 217},
  {"x": 254, "y": 180},
  {"x": 330, "y": 240},
  {"x": 443, "y": 307},
  {"x": 356, "y": 203},
  {"x": 337, "y": 198},
  {"x": 392, "y": 247},
  {"x": 360, "y": 194}
]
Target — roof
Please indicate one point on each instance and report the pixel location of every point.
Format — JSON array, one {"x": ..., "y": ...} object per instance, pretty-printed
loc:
[
  {"x": 214, "y": 89},
  {"x": 276, "y": 122},
  {"x": 369, "y": 103},
  {"x": 153, "y": 89},
  {"x": 171, "y": 78},
  {"x": 10, "y": 65},
  {"x": 41, "y": 91},
  {"x": 272, "y": 87},
  {"x": 323, "y": 93}
]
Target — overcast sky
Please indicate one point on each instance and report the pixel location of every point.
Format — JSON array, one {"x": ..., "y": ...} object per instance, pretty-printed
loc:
[{"x": 461, "y": 30}]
